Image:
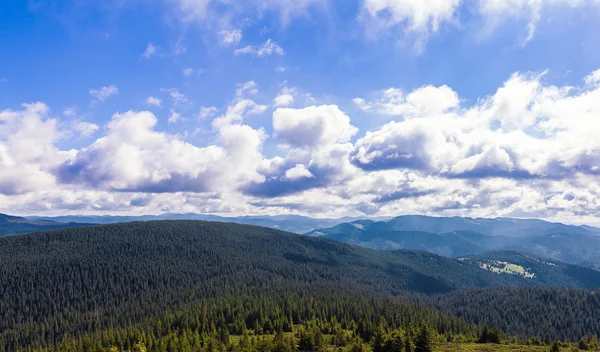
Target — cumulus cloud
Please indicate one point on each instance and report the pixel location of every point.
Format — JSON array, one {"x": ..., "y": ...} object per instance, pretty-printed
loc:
[
  {"x": 525, "y": 130},
  {"x": 27, "y": 149},
  {"x": 268, "y": 48},
  {"x": 285, "y": 97},
  {"x": 104, "y": 93},
  {"x": 318, "y": 140},
  {"x": 528, "y": 149},
  {"x": 424, "y": 101},
  {"x": 313, "y": 126}
]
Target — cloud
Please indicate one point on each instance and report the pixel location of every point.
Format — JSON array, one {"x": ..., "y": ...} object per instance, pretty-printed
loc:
[
  {"x": 317, "y": 138},
  {"x": 593, "y": 79},
  {"x": 497, "y": 11},
  {"x": 180, "y": 47},
  {"x": 174, "y": 117},
  {"x": 285, "y": 97},
  {"x": 229, "y": 37},
  {"x": 135, "y": 157},
  {"x": 27, "y": 149},
  {"x": 190, "y": 72},
  {"x": 153, "y": 101},
  {"x": 206, "y": 112},
  {"x": 176, "y": 95},
  {"x": 150, "y": 51},
  {"x": 418, "y": 18},
  {"x": 267, "y": 49},
  {"x": 208, "y": 10},
  {"x": 424, "y": 101},
  {"x": 85, "y": 129},
  {"x": 312, "y": 127},
  {"x": 297, "y": 172},
  {"x": 528, "y": 149},
  {"x": 104, "y": 93},
  {"x": 526, "y": 130},
  {"x": 236, "y": 112}
]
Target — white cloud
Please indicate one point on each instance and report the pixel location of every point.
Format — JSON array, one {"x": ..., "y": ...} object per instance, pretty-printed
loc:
[
  {"x": 190, "y": 72},
  {"x": 180, "y": 47},
  {"x": 419, "y": 18},
  {"x": 176, "y": 95},
  {"x": 150, "y": 51},
  {"x": 280, "y": 69},
  {"x": 85, "y": 129},
  {"x": 206, "y": 112},
  {"x": 174, "y": 117},
  {"x": 427, "y": 100},
  {"x": 267, "y": 49},
  {"x": 498, "y": 11},
  {"x": 104, "y": 93},
  {"x": 313, "y": 126},
  {"x": 526, "y": 130},
  {"x": 593, "y": 78},
  {"x": 297, "y": 172},
  {"x": 237, "y": 111},
  {"x": 153, "y": 101},
  {"x": 208, "y": 10},
  {"x": 246, "y": 88},
  {"x": 228, "y": 37},
  {"x": 285, "y": 97},
  {"x": 27, "y": 149},
  {"x": 529, "y": 149}
]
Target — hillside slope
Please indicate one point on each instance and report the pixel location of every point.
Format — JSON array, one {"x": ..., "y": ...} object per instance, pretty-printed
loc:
[{"x": 92, "y": 278}]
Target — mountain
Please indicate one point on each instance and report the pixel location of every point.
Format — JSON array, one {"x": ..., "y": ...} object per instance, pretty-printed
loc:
[
  {"x": 505, "y": 227},
  {"x": 454, "y": 237},
  {"x": 10, "y": 225},
  {"x": 290, "y": 222},
  {"x": 161, "y": 276}
]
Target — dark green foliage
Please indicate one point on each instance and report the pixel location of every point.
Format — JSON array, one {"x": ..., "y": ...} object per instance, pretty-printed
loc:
[
  {"x": 423, "y": 340},
  {"x": 189, "y": 286},
  {"x": 91, "y": 279},
  {"x": 527, "y": 311}
]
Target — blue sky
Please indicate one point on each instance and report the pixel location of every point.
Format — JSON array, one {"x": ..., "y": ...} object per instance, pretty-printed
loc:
[{"x": 306, "y": 106}]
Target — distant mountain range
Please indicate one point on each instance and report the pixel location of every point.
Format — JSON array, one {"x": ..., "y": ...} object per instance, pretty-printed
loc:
[
  {"x": 10, "y": 225},
  {"x": 448, "y": 236},
  {"x": 291, "y": 223},
  {"x": 456, "y": 236}
]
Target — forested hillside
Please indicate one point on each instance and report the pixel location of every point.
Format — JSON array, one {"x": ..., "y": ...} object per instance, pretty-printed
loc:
[{"x": 157, "y": 282}]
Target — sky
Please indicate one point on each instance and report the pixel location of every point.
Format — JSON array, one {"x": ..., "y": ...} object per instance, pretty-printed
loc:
[{"x": 326, "y": 108}]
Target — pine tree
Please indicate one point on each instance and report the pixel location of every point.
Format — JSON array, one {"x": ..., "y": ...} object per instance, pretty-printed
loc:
[{"x": 423, "y": 340}]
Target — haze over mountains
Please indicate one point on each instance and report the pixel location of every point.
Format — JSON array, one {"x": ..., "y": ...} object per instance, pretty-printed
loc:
[
  {"x": 456, "y": 236},
  {"x": 448, "y": 236}
]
